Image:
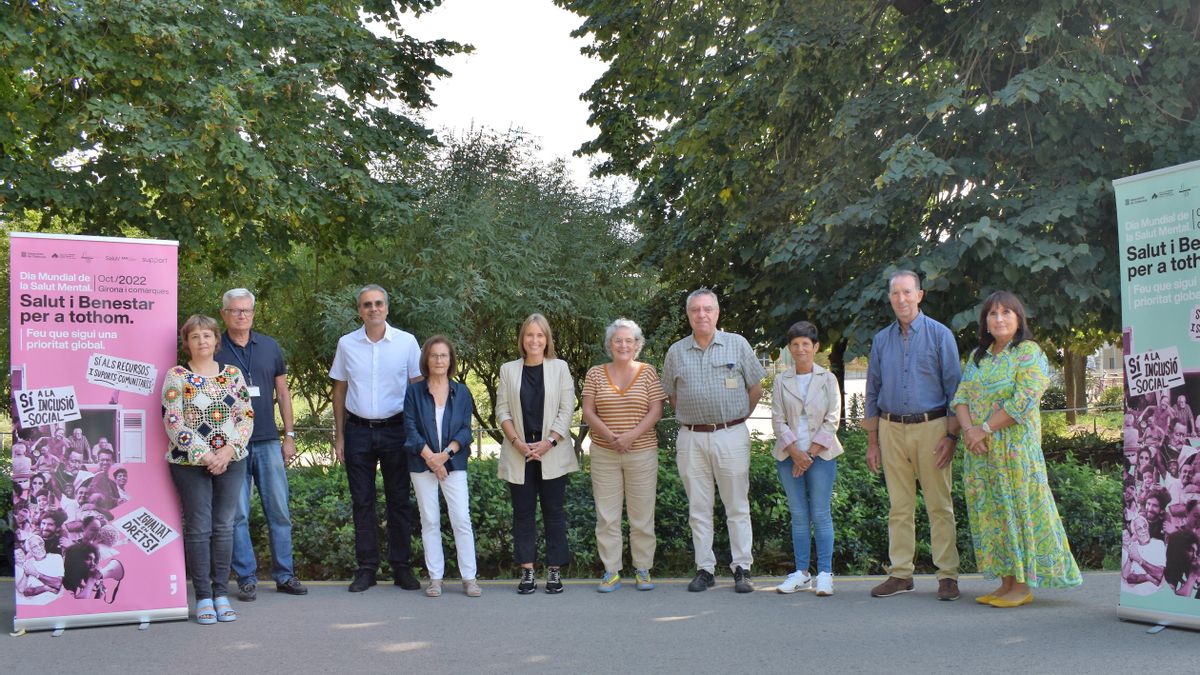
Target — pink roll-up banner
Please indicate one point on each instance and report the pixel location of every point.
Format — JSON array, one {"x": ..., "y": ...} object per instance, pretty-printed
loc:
[{"x": 92, "y": 331}]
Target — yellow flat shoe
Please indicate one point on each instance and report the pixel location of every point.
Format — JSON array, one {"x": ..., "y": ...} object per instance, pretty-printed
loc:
[
  {"x": 985, "y": 599},
  {"x": 999, "y": 602}
]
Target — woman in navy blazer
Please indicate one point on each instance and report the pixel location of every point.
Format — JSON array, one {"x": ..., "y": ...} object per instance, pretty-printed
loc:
[{"x": 437, "y": 423}]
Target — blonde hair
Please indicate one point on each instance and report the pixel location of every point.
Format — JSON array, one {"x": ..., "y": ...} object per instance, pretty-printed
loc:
[{"x": 545, "y": 326}]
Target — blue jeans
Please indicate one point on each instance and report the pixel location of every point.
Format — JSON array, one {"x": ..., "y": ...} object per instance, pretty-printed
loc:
[
  {"x": 209, "y": 504},
  {"x": 808, "y": 498},
  {"x": 264, "y": 468}
]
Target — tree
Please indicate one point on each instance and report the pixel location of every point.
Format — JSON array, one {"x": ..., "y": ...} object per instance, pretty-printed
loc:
[
  {"x": 498, "y": 236},
  {"x": 798, "y": 153},
  {"x": 241, "y": 127}
]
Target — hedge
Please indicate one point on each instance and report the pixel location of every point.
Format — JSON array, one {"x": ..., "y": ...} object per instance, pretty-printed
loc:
[
  {"x": 323, "y": 534},
  {"x": 1089, "y": 499}
]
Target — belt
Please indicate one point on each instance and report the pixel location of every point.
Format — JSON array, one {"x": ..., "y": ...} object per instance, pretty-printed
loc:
[
  {"x": 915, "y": 419},
  {"x": 709, "y": 428},
  {"x": 393, "y": 421}
]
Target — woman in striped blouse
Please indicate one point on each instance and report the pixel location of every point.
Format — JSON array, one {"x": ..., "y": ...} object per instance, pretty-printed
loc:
[{"x": 622, "y": 401}]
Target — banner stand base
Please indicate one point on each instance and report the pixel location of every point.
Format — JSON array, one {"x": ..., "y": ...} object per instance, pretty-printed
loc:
[
  {"x": 1160, "y": 620},
  {"x": 60, "y": 623}
]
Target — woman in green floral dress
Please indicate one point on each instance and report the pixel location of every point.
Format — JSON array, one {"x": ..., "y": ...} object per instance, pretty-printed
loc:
[{"x": 1015, "y": 526}]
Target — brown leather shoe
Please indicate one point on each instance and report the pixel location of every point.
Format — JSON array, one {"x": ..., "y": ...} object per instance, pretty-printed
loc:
[
  {"x": 892, "y": 586},
  {"x": 947, "y": 589}
]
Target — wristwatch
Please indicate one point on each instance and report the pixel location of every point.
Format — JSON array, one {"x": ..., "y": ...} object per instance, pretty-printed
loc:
[
  {"x": 953, "y": 437},
  {"x": 554, "y": 442},
  {"x": 986, "y": 429},
  {"x": 289, "y": 434}
]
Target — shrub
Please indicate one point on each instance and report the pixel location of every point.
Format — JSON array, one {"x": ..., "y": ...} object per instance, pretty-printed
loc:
[
  {"x": 1089, "y": 499},
  {"x": 1055, "y": 398},
  {"x": 1112, "y": 397}
]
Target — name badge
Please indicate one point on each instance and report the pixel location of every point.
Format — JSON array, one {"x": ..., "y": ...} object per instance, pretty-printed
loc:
[
  {"x": 253, "y": 392},
  {"x": 732, "y": 383}
]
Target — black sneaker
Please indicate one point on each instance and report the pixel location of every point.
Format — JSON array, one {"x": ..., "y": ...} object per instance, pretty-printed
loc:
[
  {"x": 704, "y": 580},
  {"x": 291, "y": 587},
  {"x": 528, "y": 583},
  {"x": 248, "y": 591},
  {"x": 363, "y": 579},
  {"x": 741, "y": 581},
  {"x": 405, "y": 579},
  {"x": 554, "y": 581}
]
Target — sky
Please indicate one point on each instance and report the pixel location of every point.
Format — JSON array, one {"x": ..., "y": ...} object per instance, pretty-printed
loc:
[{"x": 526, "y": 72}]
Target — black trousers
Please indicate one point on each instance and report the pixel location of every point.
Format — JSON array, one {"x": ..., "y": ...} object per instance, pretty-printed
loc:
[
  {"x": 365, "y": 448},
  {"x": 553, "y": 495}
]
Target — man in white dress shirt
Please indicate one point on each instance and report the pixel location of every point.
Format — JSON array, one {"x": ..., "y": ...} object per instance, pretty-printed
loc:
[{"x": 371, "y": 371}]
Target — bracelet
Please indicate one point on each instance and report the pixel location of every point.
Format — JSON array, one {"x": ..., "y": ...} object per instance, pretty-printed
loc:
[
  {"x": 513, "y": 440},
  {"x": 953, "y": 437}
]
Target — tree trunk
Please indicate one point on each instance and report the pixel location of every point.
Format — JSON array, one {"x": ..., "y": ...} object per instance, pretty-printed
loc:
[
  {"x": 1081, "y": 389},
  {"x": 837, "y": 365},
  {"x": 1074, "y": 382}
]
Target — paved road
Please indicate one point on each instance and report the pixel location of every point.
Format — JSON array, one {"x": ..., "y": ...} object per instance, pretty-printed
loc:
[{"x": 667, "y": 630}]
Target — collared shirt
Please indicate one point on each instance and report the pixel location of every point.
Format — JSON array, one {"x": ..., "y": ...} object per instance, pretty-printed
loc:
[
  {"x": 421, "y": 426},
  {"x": 82, "y": 446},
  {"x": 912, "y": 374},
  {"x": 260, "y": 361},
  {"x": 697, "y": 377},
  {"x": 376, "y": 373}
]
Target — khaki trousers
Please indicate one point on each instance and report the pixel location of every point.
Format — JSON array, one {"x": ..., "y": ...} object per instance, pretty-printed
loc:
[
  {"x": 908, "y": 459},
  {"x": 631, "y": 478},
  {"x": 721, "y": 457}
]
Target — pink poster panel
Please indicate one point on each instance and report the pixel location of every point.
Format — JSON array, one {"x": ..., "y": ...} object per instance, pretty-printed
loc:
[{"x": 92, "y": 326}]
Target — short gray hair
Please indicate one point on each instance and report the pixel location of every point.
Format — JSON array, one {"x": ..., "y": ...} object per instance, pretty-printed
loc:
[
  {"x": 904, "y": 273},
  {"x": 638, "y": 338},
  {"x": 372, "y": 287},
  {"x": 699, "y": 292},
  {"x": 235, "y": 294}
]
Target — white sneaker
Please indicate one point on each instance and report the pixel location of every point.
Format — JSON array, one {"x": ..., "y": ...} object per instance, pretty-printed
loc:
[
  {"x": 796, "y": 581},
  {"x": 824, "y": 584}
]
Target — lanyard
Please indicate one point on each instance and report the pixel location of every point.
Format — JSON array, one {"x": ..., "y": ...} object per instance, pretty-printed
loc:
[{"x": 237, "y": 356}]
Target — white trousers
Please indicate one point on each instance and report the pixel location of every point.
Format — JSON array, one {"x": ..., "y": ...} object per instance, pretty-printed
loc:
[{"x": 454, "y": 488}]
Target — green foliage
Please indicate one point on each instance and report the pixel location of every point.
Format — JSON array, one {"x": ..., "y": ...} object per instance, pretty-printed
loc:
[
  {"x": 238, "y": 128},
  {"x": 793, "y": 154},
  {"x": 1089, "y": 500},
  {"x": 498, "y": 235},
  {"x": 1054, "y": 398},
  {"x": 1111, "y": 397}
]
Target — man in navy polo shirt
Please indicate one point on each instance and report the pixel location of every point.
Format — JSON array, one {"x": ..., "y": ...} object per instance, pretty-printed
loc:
[{"x": 261, "y": 361}]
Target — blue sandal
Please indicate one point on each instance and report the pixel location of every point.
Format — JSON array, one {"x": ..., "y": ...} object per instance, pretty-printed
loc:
[
  {"x": 206, "y": 615},
  {"x": 225, "y": 613}
]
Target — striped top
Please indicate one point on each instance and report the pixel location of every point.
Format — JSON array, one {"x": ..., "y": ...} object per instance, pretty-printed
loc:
[{"x": 620, "y": 409}]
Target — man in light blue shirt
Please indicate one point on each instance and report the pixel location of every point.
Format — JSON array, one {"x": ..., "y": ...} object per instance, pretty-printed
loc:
[{"x": 912, "y": 376}]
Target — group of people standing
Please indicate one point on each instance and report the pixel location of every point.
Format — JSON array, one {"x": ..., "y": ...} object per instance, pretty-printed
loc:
[
  {"x": 399, "y": 411},
  {"x": 1161, "y": 542}
]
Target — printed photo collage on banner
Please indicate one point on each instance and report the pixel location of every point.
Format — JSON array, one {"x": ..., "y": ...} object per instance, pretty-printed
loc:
[
  {"x": 1158, "y": 217},
  {"x": 96, "y": 521}
]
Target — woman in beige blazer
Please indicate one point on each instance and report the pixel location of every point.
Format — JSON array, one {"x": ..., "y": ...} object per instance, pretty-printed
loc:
[
  {"x": 534, "y": 406},
  {"x": 806, "y": 407}
]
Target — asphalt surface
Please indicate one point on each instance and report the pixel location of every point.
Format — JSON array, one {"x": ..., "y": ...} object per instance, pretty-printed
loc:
[{"x": 667, "y": 630}]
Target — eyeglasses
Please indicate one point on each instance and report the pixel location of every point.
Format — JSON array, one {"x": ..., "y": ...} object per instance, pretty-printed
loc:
[
  {"x": 239, "y": 312},
  {"x": 373, "y": 303}
]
